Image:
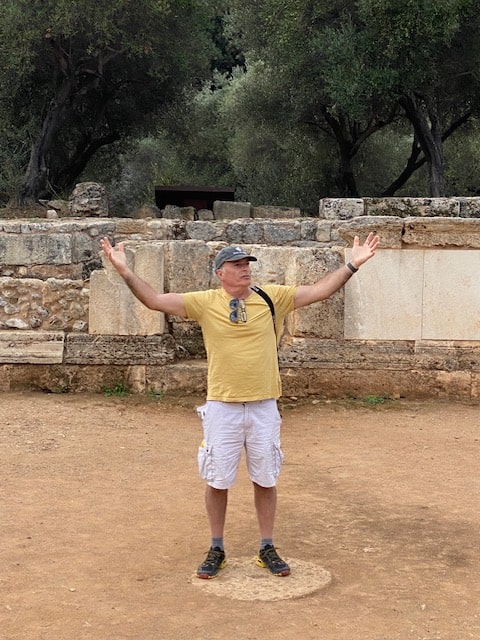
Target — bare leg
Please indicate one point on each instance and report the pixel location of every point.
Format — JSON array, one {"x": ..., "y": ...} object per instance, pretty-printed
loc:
[
  {"x": 265, "y": 504},
  {"x": 216, "y": 503}
]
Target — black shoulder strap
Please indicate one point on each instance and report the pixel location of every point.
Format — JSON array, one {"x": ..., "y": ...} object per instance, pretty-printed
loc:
[{"x": 267, "y": 299}]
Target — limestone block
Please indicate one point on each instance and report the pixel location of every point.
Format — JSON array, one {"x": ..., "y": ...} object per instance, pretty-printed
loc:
[
  {"x": 469, "y": 207},
  {"x": 415, "y": 295},
  {"x": 389, "y": 229},
  {"x": 188, "y": 339},
  {"x": 129, "y": 226},
  {"x": 187, "y": 377},
  {"x": 84, "y": 247},
  {"x": 475, "y": 387},
  {"x": 173, "y": 212},
  {"x": 224, "y": 210},
  {"x": 323, "y": 319},
  {"x": 31, "y": 347},
  {"x": 406, "y": 207},
  {"x": 444, "y": 232},
  {"x": 383, "y": 301},
  {"x": 448, "y": 355},
  {"x": 113, "y": 309},
  {"x": 324, "y": 231},
  {"x": 282, "y": 232},
  {"x": 38, "y": 248},
  {"x": 165, "y": 229},
  {"x": 123, "y": 350},
  {"x": 135, "y": 378},
  {"x": 271, "y": 265},
  {"x": 89, "y": 199},
  {"x": 205, "y": 214},
  {"x": 276, "y": 213},
  {"x": 96, "y": 229},
  {"x": 451, "y": 296},
  {"x": 188, "y": 266},
  {"x": 309, "y": 381},
  {"x": 308, "y": 230},
  {"x": 61, "y": 379},
  {"x": 244, "y": 232},
  {"x": 341, "y": 354},
  {"x": 202, "y": 230},
  {"x": 33, "y": 227},
  {"x": 341, "y": 208}
]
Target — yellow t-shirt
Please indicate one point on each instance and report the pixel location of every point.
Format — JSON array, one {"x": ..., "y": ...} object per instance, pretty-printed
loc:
[{"x": 242, "y": 357}]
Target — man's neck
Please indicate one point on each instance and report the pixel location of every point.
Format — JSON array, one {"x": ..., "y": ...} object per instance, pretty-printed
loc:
[{"x": 240, "y": 292}]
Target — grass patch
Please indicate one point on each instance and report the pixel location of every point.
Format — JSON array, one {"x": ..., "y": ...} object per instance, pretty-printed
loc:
[{"x": 120, "y": 390}]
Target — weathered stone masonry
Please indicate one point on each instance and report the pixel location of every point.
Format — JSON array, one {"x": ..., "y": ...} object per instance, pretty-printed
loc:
[{"x": 405, "y": 325}]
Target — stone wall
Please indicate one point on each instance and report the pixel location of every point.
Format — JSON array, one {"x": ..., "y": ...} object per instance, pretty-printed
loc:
[{"x": 405, "y": 325}]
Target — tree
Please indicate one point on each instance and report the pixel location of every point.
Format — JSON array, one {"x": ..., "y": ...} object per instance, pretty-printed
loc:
[
  {"x": 79, "y": 76},
  {"x": 350, "y": 68},
  {"x": 306, "y": 47},
  {"x": 429, "y": 51}
]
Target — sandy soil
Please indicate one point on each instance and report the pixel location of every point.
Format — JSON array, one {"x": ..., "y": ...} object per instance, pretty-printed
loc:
[{"x": 103, "y": 524}]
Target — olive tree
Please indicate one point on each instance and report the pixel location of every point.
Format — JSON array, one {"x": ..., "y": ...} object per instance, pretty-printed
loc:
[{"x": 79, "y": 76}]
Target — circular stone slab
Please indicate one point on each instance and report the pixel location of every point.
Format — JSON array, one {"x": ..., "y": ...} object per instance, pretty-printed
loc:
[{"x": 244, "y": 580}]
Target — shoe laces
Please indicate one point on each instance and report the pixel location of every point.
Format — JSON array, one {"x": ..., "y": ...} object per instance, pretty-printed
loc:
[
  {"x": 270, "y": 552},
  {"x": 213, "y": 556}
]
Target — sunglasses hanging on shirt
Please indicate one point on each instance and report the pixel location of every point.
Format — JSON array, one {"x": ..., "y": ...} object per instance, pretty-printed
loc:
[{"x": 239, "y": 310}]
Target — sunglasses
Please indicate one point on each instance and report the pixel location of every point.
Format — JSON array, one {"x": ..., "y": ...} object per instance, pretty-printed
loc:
[{"x": 239, "y": 310}]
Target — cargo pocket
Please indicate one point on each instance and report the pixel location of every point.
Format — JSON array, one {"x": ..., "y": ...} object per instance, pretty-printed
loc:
[
  {"x": 202, "y": 412},
  {"x": 277, "y": 458},
  {"x": 205, "y": 462}
]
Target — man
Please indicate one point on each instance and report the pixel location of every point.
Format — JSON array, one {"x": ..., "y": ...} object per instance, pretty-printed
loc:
[{"x": 241, "y": 335}]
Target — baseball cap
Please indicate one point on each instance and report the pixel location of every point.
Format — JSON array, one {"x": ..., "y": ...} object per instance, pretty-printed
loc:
[{"x": 229, "y": 254}]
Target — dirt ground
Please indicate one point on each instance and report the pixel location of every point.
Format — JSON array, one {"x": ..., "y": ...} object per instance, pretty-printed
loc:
[{"x": 103, "y": 524}]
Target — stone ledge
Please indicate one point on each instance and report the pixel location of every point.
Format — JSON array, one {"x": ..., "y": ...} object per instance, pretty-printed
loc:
[
  {"x": 31, "y": 347},
  {"x": 380, "y": 355},
  {"x": 122, "y": 350},
  {"x": 189, "y": 379}
]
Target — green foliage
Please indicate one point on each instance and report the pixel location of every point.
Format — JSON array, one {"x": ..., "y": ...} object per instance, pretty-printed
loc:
[
  {"x": 346, "y": 66},
  {"x": 463, "y": 161},
  {"x": 120, "y": 390},
  {"x": 226, "y": 137},
  {"x": 307, "y": 104},
  {"x": 374, "y": 401},
  {"x": 79, "y": 76}
]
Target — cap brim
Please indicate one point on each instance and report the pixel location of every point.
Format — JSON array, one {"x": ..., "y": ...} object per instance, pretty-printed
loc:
[{"x": 248, "y": 257}]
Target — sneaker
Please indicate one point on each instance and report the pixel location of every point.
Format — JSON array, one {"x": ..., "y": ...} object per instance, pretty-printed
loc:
[
  {"x": 269, "y": 558},
  {"x": 212, "y": 564}
]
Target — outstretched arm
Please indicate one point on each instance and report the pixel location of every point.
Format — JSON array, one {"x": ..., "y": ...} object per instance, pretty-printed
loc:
[
  {"x": 171, "y": 303},
  {"x": 332, "y": 282}
]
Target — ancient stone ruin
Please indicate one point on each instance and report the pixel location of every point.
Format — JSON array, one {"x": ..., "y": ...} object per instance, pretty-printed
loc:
[{"x": 405, "y": 325}]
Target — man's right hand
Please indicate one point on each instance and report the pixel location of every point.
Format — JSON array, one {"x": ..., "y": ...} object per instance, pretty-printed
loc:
[
  {"x": 171, "y": 303},
  {"x": 116, "y": 255}
]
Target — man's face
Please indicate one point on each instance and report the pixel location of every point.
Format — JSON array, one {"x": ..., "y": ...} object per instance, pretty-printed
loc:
[{"x": 235, "y": 273}]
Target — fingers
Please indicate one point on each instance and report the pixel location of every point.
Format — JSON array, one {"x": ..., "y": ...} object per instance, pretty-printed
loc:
[
  {"x": 372, "y": 241},
  {"x": 105, "y": 244},
  {"x": 108, "y": 248}
]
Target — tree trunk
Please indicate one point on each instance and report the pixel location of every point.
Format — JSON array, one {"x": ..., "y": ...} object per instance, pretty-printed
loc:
[
  {"x": 426, "y": 124},
  {"x": 36, "y": 177},
  {"x": 346, "y": 181},
  {"x": 36, "y": 181},
  {"x": 413, "y": 163},
  {"x": 339, "y": 129},
  {"x": 86, "y": 149}
]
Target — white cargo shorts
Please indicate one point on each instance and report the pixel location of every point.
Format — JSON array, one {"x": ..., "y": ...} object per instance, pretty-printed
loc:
[{"x": 230, "y": 427}]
